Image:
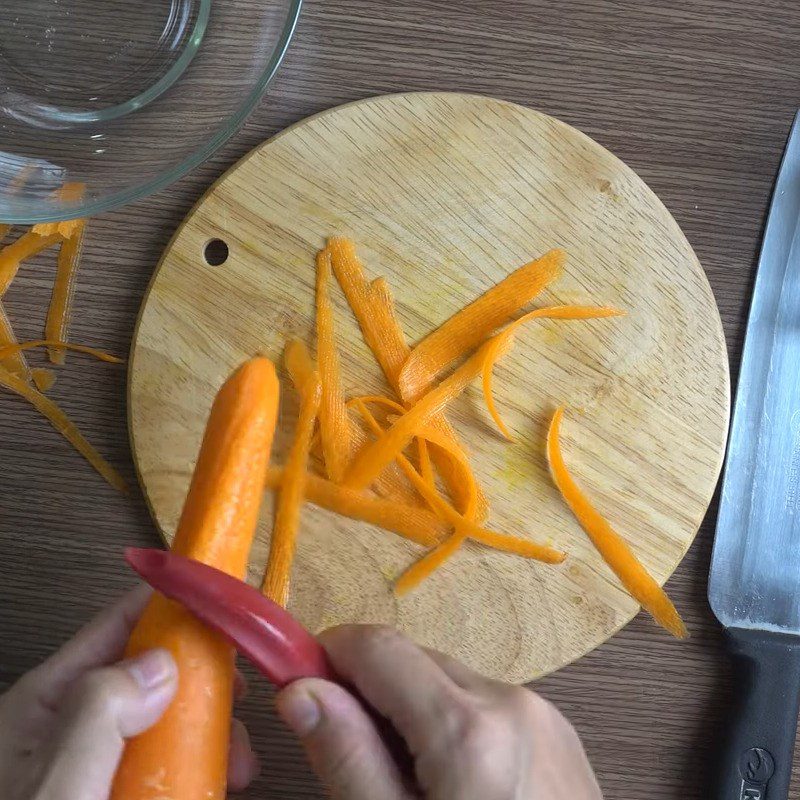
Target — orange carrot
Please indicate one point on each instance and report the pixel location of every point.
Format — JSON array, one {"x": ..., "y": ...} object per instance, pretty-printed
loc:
[
  {"x": 334, "y": 423},
  {"x": 58, "y": 313},
  {"x": 469, "y": 327},
  {"x": 8, "y": 350},
  {"x": 185, "y": 754},
  {"x": 373, "y": 307},
  {"x": 410, "y": 522},
  {"x": 612, "y": 547},
  {"x": 12, "y": 255},
  {"x": 552, "y": 312},
  {"x": 63, "y": 425},
  {"x": 290, "y": 496},
  {"x": 498, "y": 541},
  {"x": 15, "y": 361},
  {"x": 380, "y": 453},
  {"x": 43, "y": 378}
]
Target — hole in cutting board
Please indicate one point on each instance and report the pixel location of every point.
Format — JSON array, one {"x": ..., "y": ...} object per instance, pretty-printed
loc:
[{"x": 216, "y": 253}]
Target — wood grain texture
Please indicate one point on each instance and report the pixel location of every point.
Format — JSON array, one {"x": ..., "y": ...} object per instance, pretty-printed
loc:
[
  {"x": 447, "y": 193},
  {"x": 696, "y": 95}
]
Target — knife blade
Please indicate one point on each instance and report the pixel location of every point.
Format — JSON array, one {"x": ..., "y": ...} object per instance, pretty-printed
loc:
[{"x": 754, "y": 583}]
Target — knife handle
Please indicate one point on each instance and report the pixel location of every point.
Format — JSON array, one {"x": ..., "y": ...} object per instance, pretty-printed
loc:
[{"x": 757, "y": 760}]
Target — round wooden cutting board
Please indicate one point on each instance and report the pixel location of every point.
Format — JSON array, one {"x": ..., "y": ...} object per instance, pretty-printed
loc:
[{"x": 445, "y": 194}]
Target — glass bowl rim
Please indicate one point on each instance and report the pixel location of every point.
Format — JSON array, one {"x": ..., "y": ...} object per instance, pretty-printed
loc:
[{"x": 211, "y": 145}]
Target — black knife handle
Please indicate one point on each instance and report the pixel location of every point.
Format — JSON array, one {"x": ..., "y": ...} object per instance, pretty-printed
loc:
[{"x": 757, "y": 760}]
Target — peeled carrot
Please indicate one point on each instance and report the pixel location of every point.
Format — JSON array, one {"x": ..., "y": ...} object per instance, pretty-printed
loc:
[
  {"x": 58, "y": 313},
  {"x": 290, "y": 496},
  {"x": 14, "y": 361},
  {"x": 410, "y": 522},
  {"x": 184, "y": 756},
  {"x": 373, "y": 307},
  {"x": 63, "y": 425},
  {"x": 333, "y": 420},
  {"x": 9, "y": 350},
  {"x": 376, "y": 456},
  {"x": 612, "y": 547},
  {"x": 498, "y": 541},
  {"x": 552, "y": 312},
  {"x": 12, "y": 255},
  {"x": 469, "y": 327}
]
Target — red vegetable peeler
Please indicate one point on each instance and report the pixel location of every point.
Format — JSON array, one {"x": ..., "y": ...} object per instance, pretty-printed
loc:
[{"x": 277, "y": 644}]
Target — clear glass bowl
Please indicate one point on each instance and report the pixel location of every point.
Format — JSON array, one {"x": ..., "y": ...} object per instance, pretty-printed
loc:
[{"x": 105, "y": 101}]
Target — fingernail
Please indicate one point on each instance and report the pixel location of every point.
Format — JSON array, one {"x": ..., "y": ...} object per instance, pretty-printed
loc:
[
  {"x": 300, "y": 711},
  {"x": 151, "y": 669}
]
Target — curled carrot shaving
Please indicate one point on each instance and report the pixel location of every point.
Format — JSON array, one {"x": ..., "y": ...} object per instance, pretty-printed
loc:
[
  {"x": 290, "y": 497},
  {"x": 425, "y": 464},
  {"x": 373, "y": 307},
  {"x": 43, "y": 378},
  {"x": 553, "y": 312},
  {"x": 15, "y": 361},
  {"x": 376, "y": 456},
  {"x": 612, "y": 547},
  {"x": 9, "y": 350},
  {"x": 334, "y": 423},
  {"x": 63, "y": 425},
  {"x": 410, "y": 522},
  {"x": 469, "y": 327},
  {"x": 443, "y": 509},
  {"x": 58, "y": 313},
  {"x": 12, "y": 255},
  {"x": 429, "y": 563}
]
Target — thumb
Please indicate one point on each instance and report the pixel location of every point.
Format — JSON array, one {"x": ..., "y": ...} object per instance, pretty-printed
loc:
[
  {"x": 105, "y": 707},
  {"x": 341, "y": 741}
]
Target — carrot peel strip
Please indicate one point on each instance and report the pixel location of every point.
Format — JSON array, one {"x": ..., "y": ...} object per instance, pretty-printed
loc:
[
  {"x": 58, "y": 314},
  {"x": 15, "y": 361},
  {"x": 470, "y": 326},
  {"x": 334, "y": 423},
  {"x": 612, "y": 547},
  {"x": 380, "y": 453},
  {"x": 12, "y": 255},
  {"x": 429, "y": 563},
  {"x": 552, "y": 312},
  {"x": 373, "y": 307},
  {"x": 290, "y": 496},
  {"x": 63, "y": 425},
  {"x": 43, "y": 378},
  {"x": 9, "y": 350},
  {"x": 410, "y": 522},
  {"x": 498, "y": 541}
]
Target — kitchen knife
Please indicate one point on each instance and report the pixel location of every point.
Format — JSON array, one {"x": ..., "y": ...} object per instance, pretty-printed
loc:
[{"x": 754, "y": 585}]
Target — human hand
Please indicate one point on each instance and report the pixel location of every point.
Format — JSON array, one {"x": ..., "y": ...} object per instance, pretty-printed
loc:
[
  {"x": 63, "y": 725},
  {"x": 469, "y": 737}
]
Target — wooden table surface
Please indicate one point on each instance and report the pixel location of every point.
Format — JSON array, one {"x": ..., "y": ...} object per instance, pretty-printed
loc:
[{"x": 696, "y": 95}]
